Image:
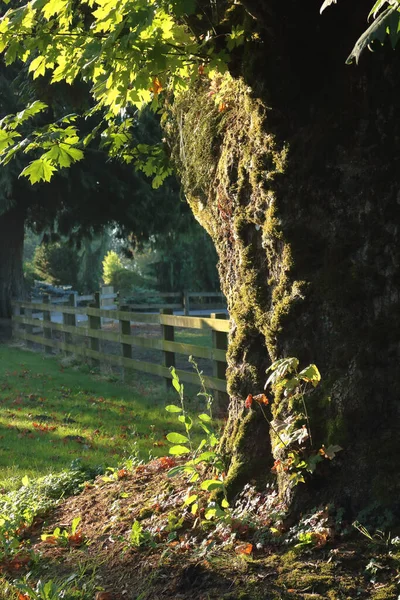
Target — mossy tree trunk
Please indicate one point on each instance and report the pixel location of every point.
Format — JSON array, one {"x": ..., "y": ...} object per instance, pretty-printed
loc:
[
  {"x": 11, "y": 260},
  {"x": 293, "y": 169}
]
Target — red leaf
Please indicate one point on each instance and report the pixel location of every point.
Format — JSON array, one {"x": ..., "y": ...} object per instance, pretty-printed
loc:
[{"x": 249, "y": 401}]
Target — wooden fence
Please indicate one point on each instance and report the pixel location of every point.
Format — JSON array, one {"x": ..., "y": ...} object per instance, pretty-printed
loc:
[
  {"x": 32, "y": 323},
  {"x": 185, "y": 301}
]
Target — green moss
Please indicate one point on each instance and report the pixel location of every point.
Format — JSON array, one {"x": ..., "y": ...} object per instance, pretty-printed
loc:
[
  {"x": 229, "y": 162},
  {"x": 385, "y": 593}
]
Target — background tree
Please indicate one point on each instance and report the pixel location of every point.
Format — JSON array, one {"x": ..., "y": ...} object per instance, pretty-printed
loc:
[
  {"x": 57, "y": 264},
  {"x": 292, "y": 170},
  {"x": 79, "y": 204}
]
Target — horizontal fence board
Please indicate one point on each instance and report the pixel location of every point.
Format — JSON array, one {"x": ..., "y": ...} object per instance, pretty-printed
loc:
[
  {"x": 40, "y": 307},
  {"x": 145, "y": 367},
  {"x": 154, "y": 306},
  {"x": 138, "y": 341},
  {"x": 209, "y": 307},
  {"x": 195, "y": 322},
  {"x": 176, "y": 321},
  {"x": 206, "y": 295}
]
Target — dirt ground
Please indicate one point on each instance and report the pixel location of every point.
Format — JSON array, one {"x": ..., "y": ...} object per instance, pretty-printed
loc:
[{"x": 180, "y": 556}]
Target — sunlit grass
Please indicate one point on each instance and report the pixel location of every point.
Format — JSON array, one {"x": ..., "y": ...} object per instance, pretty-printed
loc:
[{"x": 51, "y": 415}]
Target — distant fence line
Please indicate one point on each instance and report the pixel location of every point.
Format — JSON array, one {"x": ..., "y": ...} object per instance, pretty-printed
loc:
[
  {"x": 186, "y": 301},
  {"x": 32, "y": 323}
]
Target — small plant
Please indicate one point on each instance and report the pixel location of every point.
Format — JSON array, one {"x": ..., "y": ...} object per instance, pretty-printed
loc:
[
  {"x": 293, "y": 432},
  {"x": 140, "y": 537},
  {"x": 44, "y": 590},
  {"x": 63, "y": 537},
  {"x": 205, "y": 455}
]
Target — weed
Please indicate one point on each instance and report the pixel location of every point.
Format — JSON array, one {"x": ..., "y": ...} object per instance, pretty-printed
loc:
[
  {"x": 204, "y": 457},
  {"x": 139, "y": 537},
  {"x": 63, "y": 537}
]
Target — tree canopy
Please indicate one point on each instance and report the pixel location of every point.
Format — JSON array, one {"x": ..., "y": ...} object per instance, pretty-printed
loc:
[{"x": 131, "y": 53}]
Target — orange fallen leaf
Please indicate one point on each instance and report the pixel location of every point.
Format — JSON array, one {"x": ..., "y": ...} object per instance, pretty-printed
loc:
[
  {"x": 122, "y": 473},
  {"x": 244, "y": 549},
  {"x": 76, "y": 539},
  {"x": 51, "y": 539}
]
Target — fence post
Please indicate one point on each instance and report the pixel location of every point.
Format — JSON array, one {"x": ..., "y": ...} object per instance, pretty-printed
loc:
[
  {"x": 47, "y": 320},
  {"x": 69, "y": 319},
  {"x": 167, "y": 334},
  {"x": 220, "y": 342},
  {"x": 29, "y": 328},
  {"x": 125, "y": 329},
  {"x": 16, "y": 327},
  {"x": 95, "y": 323},
  {"x": 186, "y": 303}
]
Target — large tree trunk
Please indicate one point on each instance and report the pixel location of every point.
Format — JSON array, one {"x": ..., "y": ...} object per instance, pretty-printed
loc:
[
  {"x": 11, "y": 262},
  {"x": 297, "y": 181}
]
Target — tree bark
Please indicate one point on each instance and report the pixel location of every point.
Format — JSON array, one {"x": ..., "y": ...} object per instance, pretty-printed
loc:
[
  {"x": 11, "y": 261},
  {"x": 293, "y": 170}
]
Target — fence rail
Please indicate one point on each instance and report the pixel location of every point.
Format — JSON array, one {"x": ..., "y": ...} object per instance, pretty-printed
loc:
[
  {"x": 185, "y": 301},
  {"x": 85, "y": 338}
]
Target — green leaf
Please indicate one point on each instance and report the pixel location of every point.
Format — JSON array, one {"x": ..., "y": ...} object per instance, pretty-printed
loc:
[
  {"x": 39, "y": 170},
  {"x": 211, "y": 484},
  {"x": 205, "y": 418},
  {"x": 178, "y": 450},
  {"x": 205, "y": 457},
  {"x": 387, "y": 21},
  {"x": 311, "y": 375},
  {"x": 187, "y": 421},
  {"x": 177, "y": 438},
  {"x": 172, "y": 408},
  {"x": 190, "y": 500},
  {"x": 75, "y": 524},
  {"x": 280, "y": 368},
  {"x": 180, "y": 469}
]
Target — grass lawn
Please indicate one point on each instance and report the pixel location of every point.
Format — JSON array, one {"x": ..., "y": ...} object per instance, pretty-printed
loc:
[
  {"x": 51, "y": 415},
  {"x": 194, "y": 336}
]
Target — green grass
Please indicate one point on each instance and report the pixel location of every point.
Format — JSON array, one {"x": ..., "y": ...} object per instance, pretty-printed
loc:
[
  {"x": 45, "y": 406},
  {"x": 197, "y": 337}
]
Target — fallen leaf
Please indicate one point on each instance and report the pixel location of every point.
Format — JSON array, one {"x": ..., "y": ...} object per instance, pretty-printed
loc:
[{"x": 244, "y": 549}]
